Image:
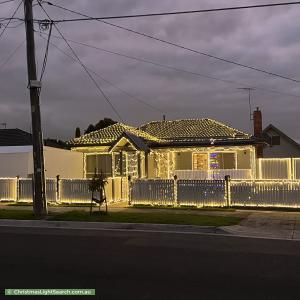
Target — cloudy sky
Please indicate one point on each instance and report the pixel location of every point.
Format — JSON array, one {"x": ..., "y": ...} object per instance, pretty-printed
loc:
[{"x": 265, "y": 38}]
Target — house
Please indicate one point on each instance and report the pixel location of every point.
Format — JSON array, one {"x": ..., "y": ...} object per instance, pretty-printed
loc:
[
  {"x": 281, "y": 145},
  {"x": 16, "y": 158},
  {"x": 279, "y": 156},
  {"x": 188, "y": 148}
]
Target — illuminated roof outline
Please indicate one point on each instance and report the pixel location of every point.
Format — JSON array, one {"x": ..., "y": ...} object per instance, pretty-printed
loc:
[
  {"x": 192, "y": 129},
  {"x": 108, "y": 135},
  {"x": 164, "y": 132}
]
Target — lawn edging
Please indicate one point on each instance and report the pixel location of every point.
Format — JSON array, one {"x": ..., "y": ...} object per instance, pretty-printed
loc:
[
  {"x": 126, "y": 217},
  {"x": 113, "y": 226}
]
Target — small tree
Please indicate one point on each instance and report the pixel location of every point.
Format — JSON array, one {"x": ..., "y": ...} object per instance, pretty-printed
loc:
[
  {"x": 90, "y": 129},
  {"x": 104, "y": 123},
  {"x": 97, "y": 184},
  {"x": 77, "y": 132}
]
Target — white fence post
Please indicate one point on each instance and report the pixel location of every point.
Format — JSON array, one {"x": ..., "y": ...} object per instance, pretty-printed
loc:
[
  {"x": 57, "y": 188},
  {"x": 228, "y": 190},
  {"x": 176, "y": 203},
  {"x": 129, "y": 190},
  {"x": 17, "y": 188}
]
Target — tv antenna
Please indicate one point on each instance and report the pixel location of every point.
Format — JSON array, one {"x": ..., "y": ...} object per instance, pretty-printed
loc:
[{"x": 249, "y": 100}]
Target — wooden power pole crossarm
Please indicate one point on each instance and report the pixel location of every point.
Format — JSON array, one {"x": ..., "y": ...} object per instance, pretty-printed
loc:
[{"x": 39, "y": 197}]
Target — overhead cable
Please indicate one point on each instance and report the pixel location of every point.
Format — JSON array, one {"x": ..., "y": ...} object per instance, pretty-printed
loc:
[
  {"x": 83, "y": 66},
  {"x": 11, "y": 55},
  {"x": 46, "y": 52},
  {"x": 184, "y": 47},
  {"x": 184, "y": 12},
  {"x": 177, "y": 69},
  {"x": 6, "y": 25},
  {"x": 7, "y": 1},
  {"x": 107, "y": 81}
]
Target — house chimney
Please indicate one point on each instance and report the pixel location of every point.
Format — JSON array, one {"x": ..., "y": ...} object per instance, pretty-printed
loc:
[
  {"x": 164, "y": 117},
  {"x": 257, "y": 125},
  {"x": 257, "y": 122}
]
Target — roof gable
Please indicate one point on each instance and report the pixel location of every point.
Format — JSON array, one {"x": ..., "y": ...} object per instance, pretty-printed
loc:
[
  {"x": 136, "y": 142},
  {"x": 280, "y": 133},
  {"x": 110, "y": 134}
]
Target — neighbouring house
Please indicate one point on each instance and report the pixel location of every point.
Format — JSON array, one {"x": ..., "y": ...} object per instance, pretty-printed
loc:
[
  {"x": 281, "y": 145},
  {"x": 16, "y": 157},
  {"x": 279, "y": 156},
  {"x": 189, "y": 149}
]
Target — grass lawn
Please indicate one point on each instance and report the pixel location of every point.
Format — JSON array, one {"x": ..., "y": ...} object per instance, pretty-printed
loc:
[
  {"x": 17, "y": 214},
  {"x": 154, "y": 218}
]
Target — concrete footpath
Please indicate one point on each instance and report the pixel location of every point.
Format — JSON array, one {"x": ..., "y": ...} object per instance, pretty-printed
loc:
[
  {"x": 255, "y": 223},
  {"x": 270, "y": 224}
]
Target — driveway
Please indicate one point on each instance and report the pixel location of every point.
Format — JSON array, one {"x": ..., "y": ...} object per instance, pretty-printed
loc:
[{"x": 282, "y": 225}]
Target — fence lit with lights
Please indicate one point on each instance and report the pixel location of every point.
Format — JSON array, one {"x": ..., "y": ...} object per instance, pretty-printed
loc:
[
  {"x": 217, "y": 193},
  {"x": 61, "y": 190},
  {"x": 201, "y": 192},
  {"x": 156, "y": 192},
  {"x": 271, "y": 193}
]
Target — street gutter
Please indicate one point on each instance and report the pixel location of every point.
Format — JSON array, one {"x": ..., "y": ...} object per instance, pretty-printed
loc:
[{"x": 110, "y": 226}]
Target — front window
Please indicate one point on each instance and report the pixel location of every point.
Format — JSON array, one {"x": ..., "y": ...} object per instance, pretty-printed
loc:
[
  {"x": 200, "y": 161},
  {"x": 100, "y": 163},
  {"x": 222, "y": 160}
]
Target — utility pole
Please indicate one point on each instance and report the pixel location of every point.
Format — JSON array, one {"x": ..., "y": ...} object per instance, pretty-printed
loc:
[{"x": 39, "y": 197}]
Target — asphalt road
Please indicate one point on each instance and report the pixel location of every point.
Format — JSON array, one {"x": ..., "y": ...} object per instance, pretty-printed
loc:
[{"x": 139, "y": 265}]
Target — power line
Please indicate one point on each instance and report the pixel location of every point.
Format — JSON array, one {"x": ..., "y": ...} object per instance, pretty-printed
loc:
[
  {"x": 183, "y": 47},
  {"x": 176, "y": 68},
  {"x": 7, "y": 1},
  {"x": 6, "y": 25},
  {"x": 108, "y": 81},
  {"x": 2, "y": 19},
  {"x": 84, "y": 67},
  {"x": 46, "y": 51},
  {"x": 149, "y": 61},
  {"x": 11, "y": 55},
  {"x": 16, "y": 26},
  {"x": 177, "y": 12}
]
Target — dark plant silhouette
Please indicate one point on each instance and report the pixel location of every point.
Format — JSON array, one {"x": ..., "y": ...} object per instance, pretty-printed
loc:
[
  {"x": 77, "y": 132},
  {"x": 97, "y": 185}
]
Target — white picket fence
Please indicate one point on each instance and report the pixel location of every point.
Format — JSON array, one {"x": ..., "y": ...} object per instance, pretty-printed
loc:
[
  {"x": 8, "y": 189},
  {"x": 258, "y": 193},
  {"x": 265, "y": 193},
  {"x": 201, "y": 192},
  {"x": 63, "y": 190},
  {"x": 217, "y": 193},
  {"x": 157, "y": 192}
]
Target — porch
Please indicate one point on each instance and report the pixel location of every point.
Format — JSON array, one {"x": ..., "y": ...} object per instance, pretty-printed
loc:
[{"x": 203, "y": 163}]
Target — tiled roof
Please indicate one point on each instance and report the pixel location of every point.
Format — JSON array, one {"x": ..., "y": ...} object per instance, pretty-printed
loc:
[
  {"x": 110, "y": 134},
  {"x": 15, "y": 137},
  {"x": 192, "y": 129}
]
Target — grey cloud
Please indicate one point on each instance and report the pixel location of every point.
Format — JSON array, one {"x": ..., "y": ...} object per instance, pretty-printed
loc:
[{"x": 267, "y": 38}]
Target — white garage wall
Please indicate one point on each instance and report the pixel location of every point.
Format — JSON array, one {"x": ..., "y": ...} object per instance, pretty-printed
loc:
[
  {"x": 14, "y": 164},
  {"x": 66, "y": 163},
  {"x": 16, "y": 161}
]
